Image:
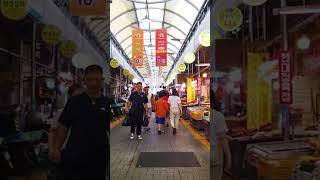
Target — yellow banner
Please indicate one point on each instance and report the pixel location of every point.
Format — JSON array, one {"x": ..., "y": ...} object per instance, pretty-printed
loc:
[
  {"x": 191, "y": 91},
  {"x": 137, "y": 48},
  {"x": 259, "y": 94}
]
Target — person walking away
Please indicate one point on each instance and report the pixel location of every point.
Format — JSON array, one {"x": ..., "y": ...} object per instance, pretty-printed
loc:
[
  {"x": 161, "y": 108},
  {"x": 166, "y": 97},
  {"x": 137, "y": 108},
  {"x": 149, "y": 105},
  {"x": 174, "y": 102},
  {"x": 88, "y": 114},
  {"x": 219, "y": 146}
]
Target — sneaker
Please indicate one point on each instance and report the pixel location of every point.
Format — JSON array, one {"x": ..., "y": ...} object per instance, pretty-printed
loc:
[
  {"x": 162, "y": 132},
  {"x": 139, "y": 137},
  {"x": 159, "y": 132},
  {"x": 131, "y": 136},
  {"x": 174, "y": 131}
]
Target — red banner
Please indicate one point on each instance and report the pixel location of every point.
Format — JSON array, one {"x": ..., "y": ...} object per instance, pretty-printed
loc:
[
  {"x": 285, "y": 79},
  {"x": 161, "y": 47}
]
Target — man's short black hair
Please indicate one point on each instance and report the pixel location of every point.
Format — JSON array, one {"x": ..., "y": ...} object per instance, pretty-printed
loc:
[
  {"x": 139, "y": 83},
  {"x": 93, "y": 68}
]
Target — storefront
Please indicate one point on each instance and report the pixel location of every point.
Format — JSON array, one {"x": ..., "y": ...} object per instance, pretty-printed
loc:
[{"x": 267, "y": 87}]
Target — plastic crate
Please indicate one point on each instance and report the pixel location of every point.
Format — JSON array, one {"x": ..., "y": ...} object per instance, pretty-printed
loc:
[{"x": 276, "y": 169}]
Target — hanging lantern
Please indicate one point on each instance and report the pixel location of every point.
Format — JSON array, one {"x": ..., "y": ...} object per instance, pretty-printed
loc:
[
  {"x": 254, "y": 2},
  {"x": 125, "y": 72},
  {"x": 130, "y": 76},
  {"x": 68, "y": 48},
  {"x": 51, "y": 34},
  {"x": 182, "y": 68},
  {"x": 204, "y": 38},
  {"x": 14, "y": 9},
  {"x": 189, "y": 58},
  {"x": 82, "y": 60},
  {"x": 114, "y": 63},
  {"x": 229, "y": 19}
]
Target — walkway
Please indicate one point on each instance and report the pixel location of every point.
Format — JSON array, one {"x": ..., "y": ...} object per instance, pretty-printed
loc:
[{"x": 125, "y": 154}]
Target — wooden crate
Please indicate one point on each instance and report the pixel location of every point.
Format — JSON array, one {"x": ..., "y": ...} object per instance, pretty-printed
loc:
[{"x": 276, "y": 169}]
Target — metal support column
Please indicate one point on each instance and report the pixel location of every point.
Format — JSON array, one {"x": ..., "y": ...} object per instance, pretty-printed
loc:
[
  {"x": 33, "y": 67},
  {"x": 251, "y": 23},
  {"x": 21, "y": 74}
]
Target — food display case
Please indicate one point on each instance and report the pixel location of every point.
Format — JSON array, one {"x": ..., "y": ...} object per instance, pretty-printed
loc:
[
  {"x": 275, "y": 160},
  {"x": 196, "y": 117}
]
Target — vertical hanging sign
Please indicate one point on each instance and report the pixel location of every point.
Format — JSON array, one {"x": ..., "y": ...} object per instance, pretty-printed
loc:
[
  {"x": 88, "y": 7},
  {"x": 137, "y": 48},
  {"x": 285, "y": 82},
  {"x": 161, "y": 47}
]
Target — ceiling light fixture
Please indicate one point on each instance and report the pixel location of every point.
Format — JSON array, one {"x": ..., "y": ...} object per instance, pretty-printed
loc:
[{"x": 203, "y": 65}]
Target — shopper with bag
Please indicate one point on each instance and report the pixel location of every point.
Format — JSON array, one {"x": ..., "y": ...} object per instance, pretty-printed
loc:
[
  {"x": 149, "y": 111},
  {"x": 174, "y": 102},
  {"x": 137, "y": 108}
]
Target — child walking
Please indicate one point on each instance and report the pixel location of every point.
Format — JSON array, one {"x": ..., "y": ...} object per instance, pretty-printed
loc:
[{"x": 161, "y": 109}]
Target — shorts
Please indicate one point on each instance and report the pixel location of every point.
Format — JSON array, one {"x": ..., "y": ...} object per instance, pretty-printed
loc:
[{"x": 160, "y": 120}]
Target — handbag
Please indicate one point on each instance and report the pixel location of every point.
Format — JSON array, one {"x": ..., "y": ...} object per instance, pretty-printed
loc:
[
  {"x": 145, "y": 122},
  {"x": 126, "y": 121}
]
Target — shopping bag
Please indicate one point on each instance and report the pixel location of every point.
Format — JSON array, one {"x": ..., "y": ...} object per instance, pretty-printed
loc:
[
  {"x": 145, "y": 122},
  {"x": 126, "y": 121}
]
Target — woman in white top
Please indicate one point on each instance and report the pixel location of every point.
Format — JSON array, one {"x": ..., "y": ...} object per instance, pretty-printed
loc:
[
  {"x": 220, "y": 150},
  {"x": 175, "y": 110}
]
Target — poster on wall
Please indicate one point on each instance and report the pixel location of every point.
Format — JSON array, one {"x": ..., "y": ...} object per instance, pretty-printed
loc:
[
  {"x": 161, "y": 47},
  {"x": 88, "y": 7},
  {"x": 285, "y": 80},
  {"x": 137, "y": 48}
]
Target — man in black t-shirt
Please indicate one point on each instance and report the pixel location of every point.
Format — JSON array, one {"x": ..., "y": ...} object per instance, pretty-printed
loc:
[
  {"x": 137, "y": 109},
  {"x": 87, "y": 118}
]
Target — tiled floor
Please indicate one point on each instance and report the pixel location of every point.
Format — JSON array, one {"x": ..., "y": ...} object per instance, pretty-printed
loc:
[{"x": 125, "y": 153}]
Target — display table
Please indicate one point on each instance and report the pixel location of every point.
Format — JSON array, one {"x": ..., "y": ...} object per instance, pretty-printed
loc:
[
  {"x": 238, "y": 148},
  {"x": 275, "y": 160}
]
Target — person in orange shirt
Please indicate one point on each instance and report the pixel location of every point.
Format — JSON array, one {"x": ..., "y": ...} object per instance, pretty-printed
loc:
[{"x": 161, "y": 109}]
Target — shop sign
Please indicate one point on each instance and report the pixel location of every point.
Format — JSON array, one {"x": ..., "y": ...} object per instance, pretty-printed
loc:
[
  {"x": 254, "y": 2},
  {"x": 51, "y": 34},
  {"x": 114, "y": 63},
  {"x": 199, "y": 84},
  {"x": 182, "y": 68},
  {"x": 125, "y": 72},
  {"x": 68, "y": 48},
  {"x": 285, "y": 80},
  {"x": 161, "y": 47},
  {"x": 204, "y": 38},
  {"x": 229, "y": 19},
  {"x": 131, "y": 77},
  {"x": 137, "y": 48},
  {"x": 14, "y": 9},
  {"x": 88, "y": 7},
  {"x": 189, "y": 58}
]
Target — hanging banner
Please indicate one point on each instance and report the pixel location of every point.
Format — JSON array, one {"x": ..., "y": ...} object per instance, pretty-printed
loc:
[
  {"x": 137, "y": 48},
  {"x": 88, "y": 7},
  {"x": 199, "y": 84},
  {"x": 259, "y": 94},
  {"x": 14, "y": 9},
  {"x": 285, "y": 80},
  {"x": 51, "y": 34},
  {"x": 191, "y": 91},
  {"x": 229, "y": 19},
  {"x": 161, "y": 47}
]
